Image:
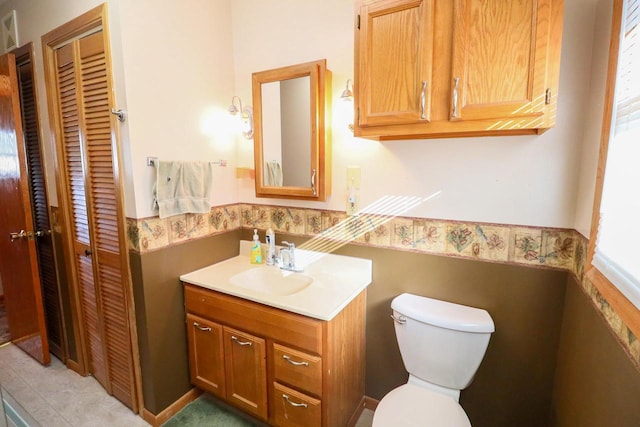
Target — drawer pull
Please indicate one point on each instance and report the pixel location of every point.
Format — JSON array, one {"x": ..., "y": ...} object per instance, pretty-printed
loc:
[
  {"x": 237, "y": 341},
  {"x": 297, "y": 405},
  {"x": 202, "y": 328},
  {"x": 293, "y": 362}
]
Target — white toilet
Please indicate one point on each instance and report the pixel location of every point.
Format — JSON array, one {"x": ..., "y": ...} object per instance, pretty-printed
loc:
[{"x": 442, "y": 345}]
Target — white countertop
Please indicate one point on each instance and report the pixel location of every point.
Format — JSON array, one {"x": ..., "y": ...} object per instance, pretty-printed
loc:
[{"x": 336, "y": 281}]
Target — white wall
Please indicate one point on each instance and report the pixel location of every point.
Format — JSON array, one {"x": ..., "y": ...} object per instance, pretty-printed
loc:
[
  {"x": 528, "y": 180},
  {"x": 593, "y": 117},
  {"x": 176, "y": 67},
  {"x": 179, "y": 79}
]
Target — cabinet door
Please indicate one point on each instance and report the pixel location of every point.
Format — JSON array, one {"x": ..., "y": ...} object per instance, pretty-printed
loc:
[
  {"x": 499, "y": 59},
  {"x": 246, "y": 371},
  {"x": 394, "y": 63},
  {"x": 206, "y": 355}
]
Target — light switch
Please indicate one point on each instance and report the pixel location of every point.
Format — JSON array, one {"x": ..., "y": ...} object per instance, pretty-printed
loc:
[{"x": 353, "y": 189}]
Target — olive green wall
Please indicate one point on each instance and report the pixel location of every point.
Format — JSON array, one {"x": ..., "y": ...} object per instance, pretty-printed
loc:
[
  {"x": 596, "y": 383},
  {"x": 513, "y": 386},
  {"x": 160, "y": 314},
  {"x": 543, "y": 323}
]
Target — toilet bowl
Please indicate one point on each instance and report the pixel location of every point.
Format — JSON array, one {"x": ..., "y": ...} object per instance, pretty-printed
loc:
[
  {"x": 442, "y": 345},
  {"x": 411, "y": 405}
]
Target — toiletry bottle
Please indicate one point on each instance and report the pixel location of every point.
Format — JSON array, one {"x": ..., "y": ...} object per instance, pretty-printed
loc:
[
  {"x": 256, "y": 249},
  {"x": 271, "y": 247}
]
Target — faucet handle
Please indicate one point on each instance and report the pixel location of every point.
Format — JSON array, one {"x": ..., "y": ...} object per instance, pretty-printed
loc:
[{"x": 289, "y": 245}]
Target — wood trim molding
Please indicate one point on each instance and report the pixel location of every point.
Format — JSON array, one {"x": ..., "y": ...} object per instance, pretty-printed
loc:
[
  {"x": 370, "y": 403},
  {"x": 171, "y": 410},
  {"x": 612, "y": 70},
  {"x": 88, "y": 21},
  {"x": 628, "y": 312}
]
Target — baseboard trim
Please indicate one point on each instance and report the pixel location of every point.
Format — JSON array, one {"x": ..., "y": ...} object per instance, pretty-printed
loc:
[
  {"x": 370, "y": 403},
  {"x": 356, "y": 414},
  {"x": 171, "y": 410}
]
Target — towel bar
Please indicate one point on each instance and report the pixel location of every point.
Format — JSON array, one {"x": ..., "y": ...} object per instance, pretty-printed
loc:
[{"x": 151, "y": 161}]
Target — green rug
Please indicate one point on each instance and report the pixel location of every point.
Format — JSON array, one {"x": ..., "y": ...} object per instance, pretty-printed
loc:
[{"x": 205, "y": 412}]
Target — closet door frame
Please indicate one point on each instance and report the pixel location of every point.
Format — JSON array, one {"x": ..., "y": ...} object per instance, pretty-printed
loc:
[{"x": 92, "y": 21}]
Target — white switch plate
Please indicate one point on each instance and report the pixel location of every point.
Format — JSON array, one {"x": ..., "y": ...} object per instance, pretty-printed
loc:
[{"x": 353, "y": 189}]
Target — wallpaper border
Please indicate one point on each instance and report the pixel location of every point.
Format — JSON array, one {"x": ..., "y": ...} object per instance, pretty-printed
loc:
[{"x": 555, "y": 248}]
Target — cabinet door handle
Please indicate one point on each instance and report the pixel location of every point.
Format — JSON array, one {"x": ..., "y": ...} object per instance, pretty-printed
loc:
[
  {"x": 454, "y": 113},
  {"x": 202, "y": 328},
  {"x": 237, "y": 341},
  {"x": 293, "y": 362},
  {"x": 313, "y": 182},
  {"x": 423, "y": 100},
  {"x": 297, "y": 405}
]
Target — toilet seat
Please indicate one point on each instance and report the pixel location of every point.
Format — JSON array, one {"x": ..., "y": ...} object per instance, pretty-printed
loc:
[{"x": 413, "y": 406}]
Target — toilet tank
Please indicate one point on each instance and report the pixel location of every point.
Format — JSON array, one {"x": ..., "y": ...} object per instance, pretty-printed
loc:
[{"x": 441, "y": 342}]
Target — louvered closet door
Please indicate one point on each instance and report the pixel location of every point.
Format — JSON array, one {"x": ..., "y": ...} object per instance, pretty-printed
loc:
[
  {"x": 82, "y": 71},
  {"x": 39, "y": 205},
  {"x": 77, "y": 205},
  {"x": 101, "y": 173}
]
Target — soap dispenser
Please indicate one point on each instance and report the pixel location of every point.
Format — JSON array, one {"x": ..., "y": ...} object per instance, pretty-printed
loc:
[
  {"x": 271, "y": 247},
  {"x": 256, "y": 249}
]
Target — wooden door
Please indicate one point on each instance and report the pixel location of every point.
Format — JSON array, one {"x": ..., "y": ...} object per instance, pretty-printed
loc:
[
  {"x": 395, "y": 45},
  {"x": 78, "y": 72},
  {"x": 18, "y": 263},
  {"x": 39, "y": 205},
  {"x": 499, "y": 62},
  {"x": 246, "y": 371},
  {"x": 206, "y": 355},
  {"x": 76, "y": 206}
]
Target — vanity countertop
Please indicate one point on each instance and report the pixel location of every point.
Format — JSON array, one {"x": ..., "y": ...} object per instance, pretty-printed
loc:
[{"x": 335, "y": 280}]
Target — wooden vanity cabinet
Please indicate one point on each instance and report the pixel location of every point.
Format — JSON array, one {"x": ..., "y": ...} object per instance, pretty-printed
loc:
[
  {"x": 492, "y": 67},
  {"x": 284, "y": 368},
  {"x": 228, "y": 363}
]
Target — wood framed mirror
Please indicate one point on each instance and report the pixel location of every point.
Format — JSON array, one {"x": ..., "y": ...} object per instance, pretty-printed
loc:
[{"x": 292, "y": 137}]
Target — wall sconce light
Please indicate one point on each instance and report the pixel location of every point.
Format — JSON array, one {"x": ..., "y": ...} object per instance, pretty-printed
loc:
[
  {"x": 246, "y": 114},
  {"x": 347, "y": 94}
]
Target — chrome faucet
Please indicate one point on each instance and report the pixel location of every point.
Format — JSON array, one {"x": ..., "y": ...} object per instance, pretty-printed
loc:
[{"x": 288, "y": 257}]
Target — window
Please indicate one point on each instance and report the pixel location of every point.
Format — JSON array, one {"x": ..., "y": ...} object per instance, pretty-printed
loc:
[{"x": 616, "y": 239}]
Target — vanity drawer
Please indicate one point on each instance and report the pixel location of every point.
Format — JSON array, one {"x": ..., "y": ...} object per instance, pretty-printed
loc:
[
  {"x": 295, "y": 409},
  {"x": 297, "y": 369},
  {"x": 282, "y": 326}
]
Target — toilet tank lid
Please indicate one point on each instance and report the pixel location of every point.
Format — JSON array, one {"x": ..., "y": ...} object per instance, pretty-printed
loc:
[{"x": 443, "y": 314}]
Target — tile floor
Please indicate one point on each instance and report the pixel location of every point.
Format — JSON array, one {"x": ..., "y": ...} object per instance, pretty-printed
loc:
[{"x": 56, "y": 396}]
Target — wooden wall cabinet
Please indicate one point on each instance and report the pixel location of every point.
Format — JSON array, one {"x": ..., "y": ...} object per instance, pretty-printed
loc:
[
  {"x": 283, "y": 368},
  {"x": 427, "y": 69}
]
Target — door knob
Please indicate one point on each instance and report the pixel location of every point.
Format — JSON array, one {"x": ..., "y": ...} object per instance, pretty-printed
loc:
[
  {"x": 15, "y": 236},
  {"x": 41, "y": 233}
]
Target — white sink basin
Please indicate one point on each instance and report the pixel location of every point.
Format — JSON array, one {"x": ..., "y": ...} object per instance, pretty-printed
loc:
[
  {"x": 272, "y": 281},
  {"x": 325, "y": 286}
]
